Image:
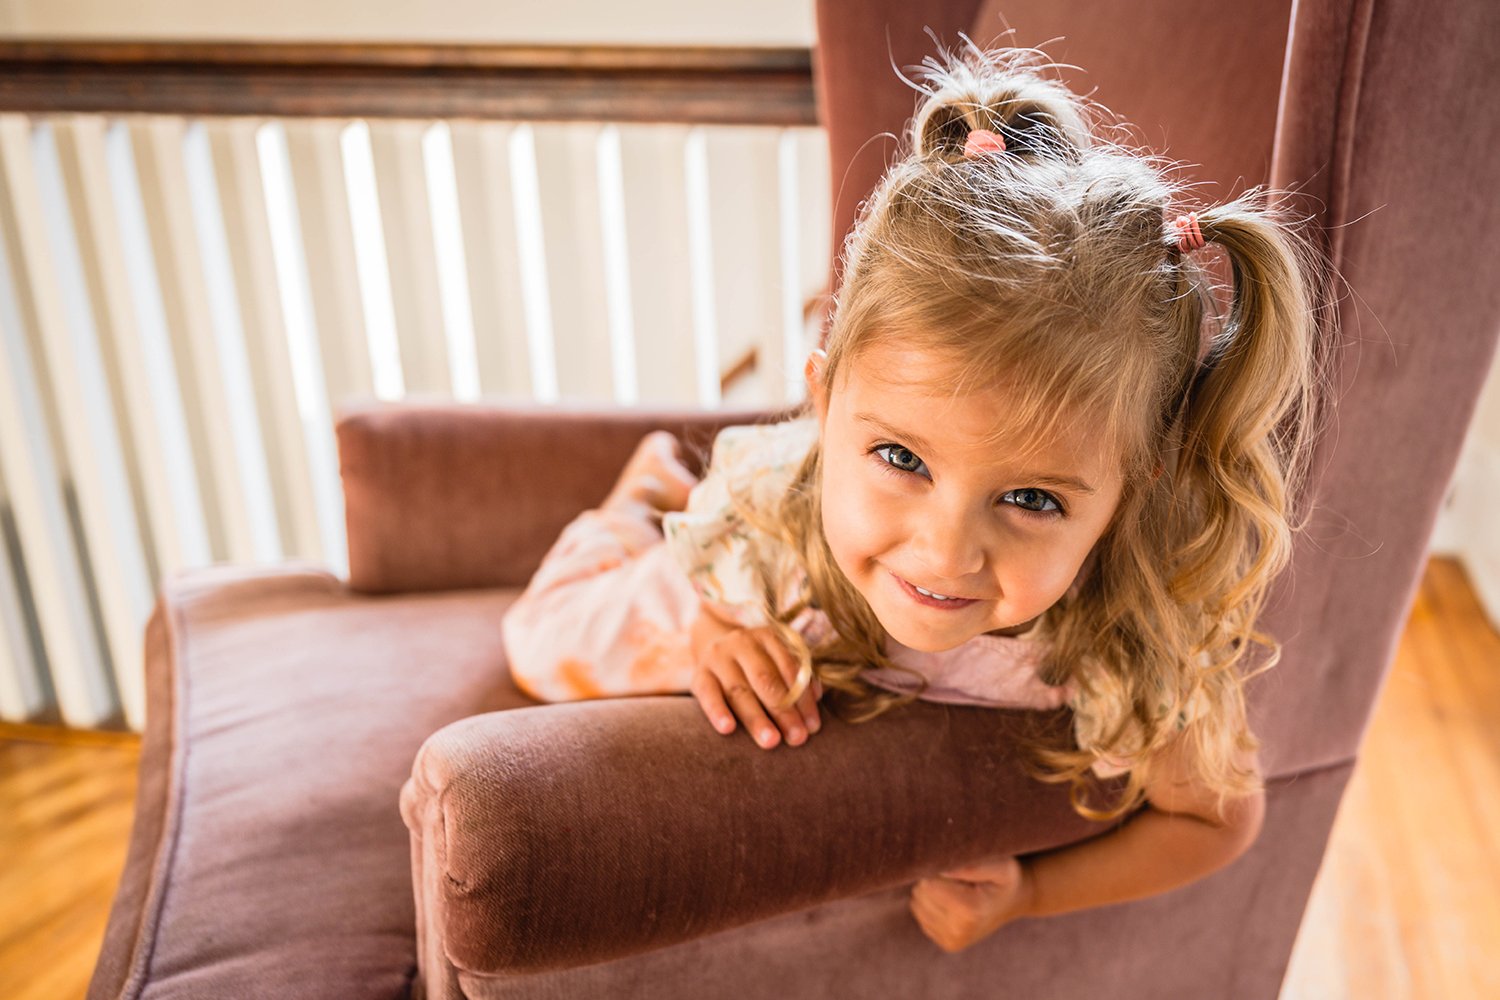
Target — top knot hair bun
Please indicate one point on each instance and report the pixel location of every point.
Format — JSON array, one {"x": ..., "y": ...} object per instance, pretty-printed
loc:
[
  {"x": 998, "y": 96},
  {"x": 982, "y": 141}
]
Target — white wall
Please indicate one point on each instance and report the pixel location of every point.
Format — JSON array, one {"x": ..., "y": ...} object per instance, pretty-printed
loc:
[
  {"x": 639, "y": 22},
  {"x": 1469, "y": 524}
]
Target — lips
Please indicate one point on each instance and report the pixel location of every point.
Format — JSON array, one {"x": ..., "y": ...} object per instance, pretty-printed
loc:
[{"x": 951, "y": 604}]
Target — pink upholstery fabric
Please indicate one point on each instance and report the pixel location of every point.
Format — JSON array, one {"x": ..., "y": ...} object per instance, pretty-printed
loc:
[
  {"x": 268, "y": 856},
  {"x": 1226, "y": 936},
  {"x": 434, "y": 498}
]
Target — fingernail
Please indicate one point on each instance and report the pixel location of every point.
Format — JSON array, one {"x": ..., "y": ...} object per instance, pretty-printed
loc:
[
  {"x": 766, "y": 736},
  {"x": 814, "y": 723},
  {"x": 795, "y": 735}
]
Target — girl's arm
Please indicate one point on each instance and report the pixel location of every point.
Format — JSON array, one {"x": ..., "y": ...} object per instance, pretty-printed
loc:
[{"x": 1175, "y": 840}]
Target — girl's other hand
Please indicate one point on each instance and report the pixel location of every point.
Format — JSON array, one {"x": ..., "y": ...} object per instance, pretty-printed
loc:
[
  {"x": 745, "y": 673},
  {"x": 959, "y": 907}
]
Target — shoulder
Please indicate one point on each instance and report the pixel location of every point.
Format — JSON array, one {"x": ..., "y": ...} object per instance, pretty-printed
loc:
[
  {"x": 777, "y": 445},
  {"x": 755, "y": 462},
  {"x": 1097, "y": 714},
  {"x": 1174, "y": 783},
  {"x": 1174, "y": 786},
  {"x": 722, "y": 554}
]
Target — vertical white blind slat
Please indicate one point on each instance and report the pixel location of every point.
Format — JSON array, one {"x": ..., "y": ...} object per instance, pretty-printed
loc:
[
  {"x": 783, "y": 351},
  {"x": 328, "y": 256},
  {"x": 371, "y": 264},
  {"x": 653, "y": 173},
  {"x": 450, "y": 261},
  {"x": 158, "y": 143},
  {"x": 241, "y": 410},
  {"x": 536, "y": 281},
  {"x": 302, "y": 340},
  {"x": 814, "y": 235},
  {"x": 22, "y": 689},
  {"x": 567, "y": 172},
  {"x": 613, "y": 245},
  {"x": 179, "y": 524},
  {"x": 96, "y": 460},
  {"x": 697, "y": 191},
  {"x": 401, "y": 183},
  {"x": 79, "y": 143},
  {"x": 484, "y": 186},
  {"x": 745, "y": 222},
  {"x": 248, "y": 239},
  {"x": 33, "y": 469}
]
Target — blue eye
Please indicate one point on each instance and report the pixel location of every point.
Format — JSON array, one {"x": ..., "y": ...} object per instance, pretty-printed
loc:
[
  {"x": 901, "y": 459},
  {"x": 1035, "y": 496},
  {"x": 897, "y": 460}
]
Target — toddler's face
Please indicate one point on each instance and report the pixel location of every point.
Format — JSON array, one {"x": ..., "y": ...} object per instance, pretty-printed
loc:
[{"x": 913, "y": 497}]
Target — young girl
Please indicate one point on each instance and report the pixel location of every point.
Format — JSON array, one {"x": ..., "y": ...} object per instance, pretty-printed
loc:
[{"x": 1019, "y": 480}]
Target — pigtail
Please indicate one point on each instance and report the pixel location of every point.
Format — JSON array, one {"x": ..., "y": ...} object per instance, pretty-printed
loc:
[
  {"x": 1248, "y": 418},
  {"x": 1247, "y": 426},
  {"x": 1158, "y": 639}
]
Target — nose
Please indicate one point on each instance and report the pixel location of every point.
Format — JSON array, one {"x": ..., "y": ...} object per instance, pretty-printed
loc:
[{"x": 948, "y": 547}]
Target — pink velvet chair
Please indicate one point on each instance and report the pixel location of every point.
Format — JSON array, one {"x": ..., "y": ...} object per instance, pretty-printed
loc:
[{"x": 343, "y": 795}]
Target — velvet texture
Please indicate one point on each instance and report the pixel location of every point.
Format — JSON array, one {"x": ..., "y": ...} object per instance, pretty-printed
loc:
[
  {"x": 439, "y": 497},
  {"x": 622, "y": 848}
]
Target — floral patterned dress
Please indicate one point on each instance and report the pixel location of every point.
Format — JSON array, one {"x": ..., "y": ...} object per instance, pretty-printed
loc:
[{"x": 610, "y": 609}]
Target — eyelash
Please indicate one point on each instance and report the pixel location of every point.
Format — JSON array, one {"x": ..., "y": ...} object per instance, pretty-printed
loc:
[{"x": 889, "y": 468}]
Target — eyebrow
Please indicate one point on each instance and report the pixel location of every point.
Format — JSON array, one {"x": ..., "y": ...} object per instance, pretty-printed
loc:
[{"x": 1040, "y": 478}]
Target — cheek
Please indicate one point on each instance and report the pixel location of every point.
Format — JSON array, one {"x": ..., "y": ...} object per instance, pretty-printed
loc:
[
  {"x": 857, "y": 520},
  {"x": 1053, "y": 575}
]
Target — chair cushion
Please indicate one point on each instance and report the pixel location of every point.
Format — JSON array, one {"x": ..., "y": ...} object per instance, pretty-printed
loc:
[{"x": 268, "y": 855}]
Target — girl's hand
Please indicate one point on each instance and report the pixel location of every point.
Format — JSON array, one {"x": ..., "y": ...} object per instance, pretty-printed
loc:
[
  {"x": 748, "y": 671},
  {"x": 962, "y": 906}
]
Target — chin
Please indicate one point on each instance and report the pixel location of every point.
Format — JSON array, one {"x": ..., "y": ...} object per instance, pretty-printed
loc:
[{"x": 922, "y": 640}]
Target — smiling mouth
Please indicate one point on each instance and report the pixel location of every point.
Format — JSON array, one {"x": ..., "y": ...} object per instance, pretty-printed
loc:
[{"x": 928, "y": 599}]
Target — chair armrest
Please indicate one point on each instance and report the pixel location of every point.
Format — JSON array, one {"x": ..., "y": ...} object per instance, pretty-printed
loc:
[
  {"x": 561, "y": 835},
  {"x": 440, "y": 495}
]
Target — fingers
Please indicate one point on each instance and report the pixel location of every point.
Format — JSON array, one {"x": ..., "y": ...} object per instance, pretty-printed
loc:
[
  {"x": 748, "y": 707},
  {"x": 934, "y": 909},
  {"x": 719, "y": 697},
  {"x": 705, "y": 688},
  {"x": 744, "y": 680},
  {"x": 746, "y": 674},
  {"x": 787, "y": 666},
  {"x": 761, "y": 661}
]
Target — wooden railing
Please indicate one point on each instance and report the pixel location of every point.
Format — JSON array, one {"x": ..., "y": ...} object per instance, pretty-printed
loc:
[{"x": 207, "y": 247}]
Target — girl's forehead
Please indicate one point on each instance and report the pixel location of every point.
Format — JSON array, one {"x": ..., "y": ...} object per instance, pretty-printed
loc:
[
  {"x": 923, "y": 396},
  {"x": 941, "y": 392}
]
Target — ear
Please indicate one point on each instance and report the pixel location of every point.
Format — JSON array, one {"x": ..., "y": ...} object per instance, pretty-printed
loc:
[{"x": 817, "y": 391}]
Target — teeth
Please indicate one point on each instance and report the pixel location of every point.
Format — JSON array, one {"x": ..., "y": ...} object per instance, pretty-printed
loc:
[{"x": 929, "y": 593}]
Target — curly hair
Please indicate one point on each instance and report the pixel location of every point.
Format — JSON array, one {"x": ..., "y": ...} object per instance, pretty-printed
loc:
[{"x": 1051, "y": 268}]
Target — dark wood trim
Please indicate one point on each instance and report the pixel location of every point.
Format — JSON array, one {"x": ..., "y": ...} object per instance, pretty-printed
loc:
[{"x": 752, "y": 86}]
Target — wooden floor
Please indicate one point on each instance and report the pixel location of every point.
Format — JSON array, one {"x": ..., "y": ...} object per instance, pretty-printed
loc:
[{"x": 1406, "y": 901}]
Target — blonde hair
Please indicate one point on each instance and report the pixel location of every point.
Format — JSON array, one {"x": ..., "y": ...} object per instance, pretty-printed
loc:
[{"x": 1051, "y": 268}]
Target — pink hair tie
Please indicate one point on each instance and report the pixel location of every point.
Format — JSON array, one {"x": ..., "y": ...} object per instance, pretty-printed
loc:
[
  {"x": 982, "y": 141},
  {"x": 1189, "y": 236}
]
